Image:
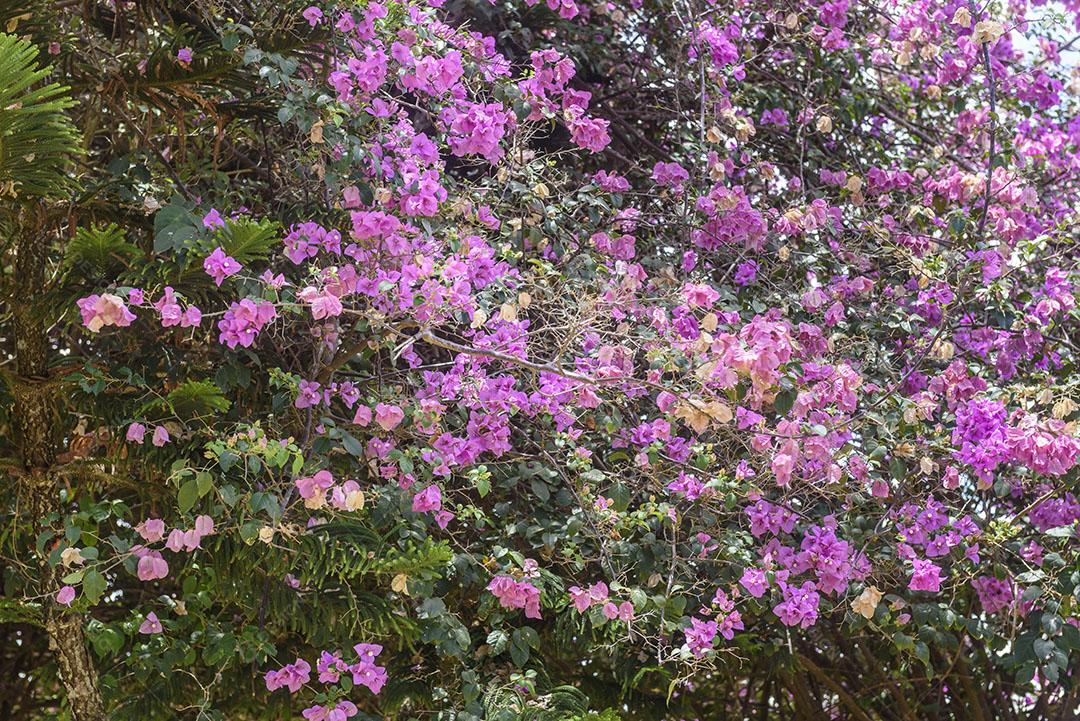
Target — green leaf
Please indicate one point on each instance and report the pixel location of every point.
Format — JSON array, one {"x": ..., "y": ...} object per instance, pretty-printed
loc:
[
  {"x": 529, "y": 635},
  {"x": 250, "y": 531},
  {"x": 540, "y": 490},
  {"x": 73, "y": 577},
  {"x": 352, "y": 445},
  {"x": 94, "y": 585},
  {"x": 1025, "y": 674},
  {"x": 188, "y": 496},
  {"x": 620, "y": 496},
  {"x": 107, "y": 641},
  {"x": 785, "y": 400},
  {"x": 498, "y": 640},
  {"x": 922, "y": 652},
  {"x": 174, "y": 225},
  {"x": 222, "y": 646},
  {"x": 227, "y": 459},
  {"x": 1051, "y": 624},
  {"x": 519, "y": 649},
  {"x": 483, "y": 484},
  {"x": 266, "y": 502}
]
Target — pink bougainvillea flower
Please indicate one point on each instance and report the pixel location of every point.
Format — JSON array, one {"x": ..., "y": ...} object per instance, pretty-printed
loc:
[
  {"x": 169, "y": 308},
  {"x": 623, "y": 611},
  {"x": 243, "y": 322},
  {"x": 311, "y": 394},
  {"x": 344, "y": 710},
  {"x": 443, "y": 518},
  {"x": 516, "y": 594},
  {"x": 213, "y": 220},
  {"x": 700, "y": 295},
  {"x": 152, "y": 566},
  {"x": 175, "y": 542},
  {"x": 367, "y": 652},
  {"x": 316, "y": 713},
  {"x": 369, "y": 675},
  {"x": 313, "y": 15},
  {"x": 925, "y": 576},
  {"x": 800, "y": 605},
  {"x": 191, "y": 317},
  {"x": 746, "y": 273},
  {"x": 429, "y": 499},
  {"x": 99, "y": 311},
  {"x": 136, "y": 433},
  {"x": 172, "y": 314},
  {"x": 324, "y": 304},
  {"x": 65, "y": 596},
  {"x": 670, "y": 174},
  {"x": 276, "y": 282},
  {"x": 161, "y": 436},
  {"x": 220, "y": 266},
  {"x": 598, "y": 593},
  {"x": 350, "y": 196},
  {"x": 204, "y": 525},
  {"x": 699, "y": 636},
  {"x": 363, "y": 416},
  {"x": 151, "y": 625},
  {"x": 580, "y": 598},
  {"x": 192, "y": 540},
  {"x": 755, "y": 582},
  {"x": 292, "y": 676},
  {"x": 388, "y": 417},
  {"x": 151, "y": 530},
  {"x": 314, "y": 487}
]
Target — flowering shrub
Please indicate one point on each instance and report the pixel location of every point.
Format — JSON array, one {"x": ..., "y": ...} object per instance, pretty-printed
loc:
[{"x": 722, "y": 371}]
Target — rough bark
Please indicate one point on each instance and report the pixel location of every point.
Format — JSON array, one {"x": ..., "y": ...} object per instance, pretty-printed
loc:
[
  {"x": 34, "y": 421},
  {"x": 806, "y": 707},
  {"x": 846, "y": 699}
]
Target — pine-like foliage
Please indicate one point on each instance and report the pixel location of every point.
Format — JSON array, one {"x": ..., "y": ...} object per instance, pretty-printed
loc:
[
  {"x": 36, "y": 138},
  {"x": 562, "y": 703},
  {"x": 247, "y": 239},
  {"x": 99, "y": 250}
]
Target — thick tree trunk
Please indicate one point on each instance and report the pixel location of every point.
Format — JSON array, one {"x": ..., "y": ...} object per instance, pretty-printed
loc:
[{"x": 35, "y": 406}]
